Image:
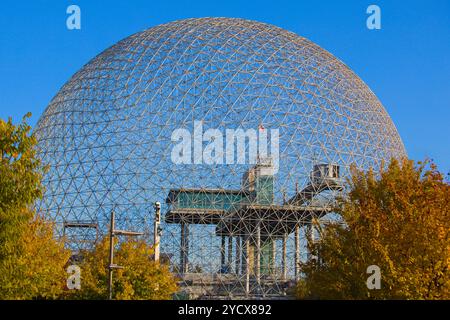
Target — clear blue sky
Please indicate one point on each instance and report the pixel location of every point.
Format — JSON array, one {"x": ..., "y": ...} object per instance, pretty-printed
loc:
[{"x": 406, "y": 63}]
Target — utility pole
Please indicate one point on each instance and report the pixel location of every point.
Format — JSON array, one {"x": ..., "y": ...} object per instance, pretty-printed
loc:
[
  {"x": 157, "y": 231},
  {"x": 111, "y": 254},
  {"x": 112, "y": 234}
]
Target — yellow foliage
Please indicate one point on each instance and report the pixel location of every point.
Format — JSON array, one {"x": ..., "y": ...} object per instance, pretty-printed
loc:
[
  {"x": 398, "y": 220},
  {"x": 35, "y": 266},
  {"x": 31, "y": 261},
  {"x": 141, "y": 278}
]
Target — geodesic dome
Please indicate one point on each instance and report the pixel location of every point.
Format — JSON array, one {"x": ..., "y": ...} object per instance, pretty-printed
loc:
[{"x": 123, "y": 133}]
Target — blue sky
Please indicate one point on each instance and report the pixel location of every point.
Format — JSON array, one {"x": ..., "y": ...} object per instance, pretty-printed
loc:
[{"x": 406, "y": 63}]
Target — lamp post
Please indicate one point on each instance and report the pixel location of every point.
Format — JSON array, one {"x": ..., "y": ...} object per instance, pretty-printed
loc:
[
  {"x": 112, "y": 234},
  {"x": 157, "y": 231}
]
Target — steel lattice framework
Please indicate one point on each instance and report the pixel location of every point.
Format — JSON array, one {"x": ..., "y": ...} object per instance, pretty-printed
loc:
[{"x": 229, "y": 230}]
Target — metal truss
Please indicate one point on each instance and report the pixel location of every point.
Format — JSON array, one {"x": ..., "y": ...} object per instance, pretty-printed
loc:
[{"x": 106, "y": 137}]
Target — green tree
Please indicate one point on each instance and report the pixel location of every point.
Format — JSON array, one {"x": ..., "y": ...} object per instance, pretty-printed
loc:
[
  {"x": 399, "y": 221},
  {"x": 140, "y": 279},
  {"x": 31, "y": 261}
]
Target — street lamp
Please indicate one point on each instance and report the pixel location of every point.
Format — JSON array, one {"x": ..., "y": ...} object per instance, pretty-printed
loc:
[{"x": 157, "y": 231}]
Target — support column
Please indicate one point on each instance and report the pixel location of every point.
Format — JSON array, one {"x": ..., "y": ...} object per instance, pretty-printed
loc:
[
  {"x": 297, "y": 251},
  {"x": 244, "y": 255},
  {"x": 258, "y": 254},
  {"x": 230, "y": 254},
  {"x": 274, "y": 257},
  {"x": 238, "y": 255},
  {"x": 184, "y": 254},
  {"x": 310, "y": 238},
  {"x": 283, "y": 258},
  {"x": 222, "y": 254},
  {"x": 247, "y": 265},
  {"x": 182, "y": 246}
]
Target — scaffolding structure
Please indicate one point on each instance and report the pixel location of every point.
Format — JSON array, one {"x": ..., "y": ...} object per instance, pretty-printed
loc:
[
  {"x": 80, "y": 234},
  {"x": 249, "y": 219},
  {"x": 228, "y": 229}
]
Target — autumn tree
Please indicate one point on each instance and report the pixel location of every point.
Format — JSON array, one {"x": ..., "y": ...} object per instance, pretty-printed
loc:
[
  {"x": 398, "y": 220},
  {"x": 31, "y": 261},
  {"x": 140, "y": 279}
]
